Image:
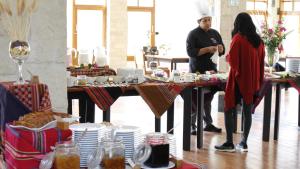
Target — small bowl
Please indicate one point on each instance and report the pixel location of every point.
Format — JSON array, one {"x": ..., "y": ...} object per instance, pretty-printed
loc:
[{"x": 101, "y": 79}]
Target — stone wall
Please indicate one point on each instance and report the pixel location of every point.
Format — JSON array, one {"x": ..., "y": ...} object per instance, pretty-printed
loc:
[
  {"x": 117, "y": 33},
  {"x": 48, "y": 49},
  {"x": 227, "y": 17}
]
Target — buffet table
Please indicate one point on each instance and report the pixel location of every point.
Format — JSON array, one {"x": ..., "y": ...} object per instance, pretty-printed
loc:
[
  {"x": 279, "y": 85},
  {"x": 158, "y": 96}
]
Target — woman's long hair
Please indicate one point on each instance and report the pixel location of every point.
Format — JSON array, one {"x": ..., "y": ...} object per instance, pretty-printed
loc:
[{"x": 244, "y": 25}]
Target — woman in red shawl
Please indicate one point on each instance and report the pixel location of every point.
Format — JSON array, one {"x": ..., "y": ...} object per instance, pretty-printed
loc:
[{"x": 246, "y": 59}]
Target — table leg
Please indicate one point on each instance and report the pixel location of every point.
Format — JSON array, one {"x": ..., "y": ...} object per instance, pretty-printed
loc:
[
  {"x": 157, "y": 124},
  {"x": 106, "y": 115},
  {"x": 299, "y": 111},
  {"x": 82, "y": 109},
  {"x": 70, "y": 110},
  {"x": 200, "y": 112},
  {"x": 90, "y": 117},
  {"x": 187, "y": 108},
  {"x": 277, "y": 111},
  {"x": 267, "y": 114},
  {"x": 170, "y": 119},
  {"x": 175, "y": 65}
]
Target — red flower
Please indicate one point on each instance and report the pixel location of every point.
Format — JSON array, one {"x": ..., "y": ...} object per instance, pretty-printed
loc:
[
  {"x": 270, "y": 31},
  {"x": 282, "y": 29},
  {"x": 280, "y": 48}
]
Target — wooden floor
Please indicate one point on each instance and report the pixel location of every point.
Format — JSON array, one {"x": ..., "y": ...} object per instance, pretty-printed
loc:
[{"x": 284, "y": 153}]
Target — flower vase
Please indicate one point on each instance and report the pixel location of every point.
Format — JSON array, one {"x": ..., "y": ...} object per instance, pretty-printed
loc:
[
  {"x": 19, "y": 52},
  {"x": 272, "y": 58}
]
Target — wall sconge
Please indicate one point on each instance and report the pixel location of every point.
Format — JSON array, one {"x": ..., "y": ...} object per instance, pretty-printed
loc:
[{"x": 234, "y": 2}]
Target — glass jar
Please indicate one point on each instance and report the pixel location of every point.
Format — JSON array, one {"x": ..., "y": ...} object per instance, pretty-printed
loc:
[
  {"x": 67, "y": 156},
  {"x": 159, "y": 156},
  {"x": 113, "y": 153}
]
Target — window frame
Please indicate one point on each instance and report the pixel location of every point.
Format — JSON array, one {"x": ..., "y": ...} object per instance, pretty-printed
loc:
[
  {"x": 258, "y": 12},
  {"x": 88, "y": 7},
  {"x": 283, "y": 12},
  {"x": 152, "y": 12}
]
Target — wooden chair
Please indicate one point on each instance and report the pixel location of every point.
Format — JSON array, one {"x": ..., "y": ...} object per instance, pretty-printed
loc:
[
  {"x": 147, "y": 69},
  {"x": 131, "y": 58}
]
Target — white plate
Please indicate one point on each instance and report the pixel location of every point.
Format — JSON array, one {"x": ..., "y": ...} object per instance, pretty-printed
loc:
[
  {"x": 171, "y": 165},
  {"x": 82, "y": 126},
  {"x": 71, "y": 119},
  {"x": 49, "y": 125}
]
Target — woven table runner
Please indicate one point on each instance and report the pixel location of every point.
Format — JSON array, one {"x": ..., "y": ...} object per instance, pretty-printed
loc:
[
  {"x": 103, "y": 97},
  {"x": 35, "y": 97},
  {"x": 159, "y": 96}
]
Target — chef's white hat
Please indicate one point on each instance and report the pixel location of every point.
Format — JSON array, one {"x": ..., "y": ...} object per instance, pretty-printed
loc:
[
  {"x": 203, "y": 9},
  {"x": 203, "y": 15}
]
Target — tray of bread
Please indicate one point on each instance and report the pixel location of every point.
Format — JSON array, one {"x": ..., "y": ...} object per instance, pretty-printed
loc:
[{"x": 37, "y": 121}]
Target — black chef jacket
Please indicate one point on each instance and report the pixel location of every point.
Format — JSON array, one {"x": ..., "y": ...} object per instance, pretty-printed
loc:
[{"x": 198, "y": 39}]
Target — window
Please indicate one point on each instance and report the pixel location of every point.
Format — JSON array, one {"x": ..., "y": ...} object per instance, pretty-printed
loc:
[
  {"x": 258, "y": 9},
  {"x": 140, "y": 3},
  {"x": 141, "y": 25},
  {"x": 89, "y": 33},
  {"x": 257, "y": 5},
  {"x": 290, "y": 5},
  {"x": 290, "y": 13}
]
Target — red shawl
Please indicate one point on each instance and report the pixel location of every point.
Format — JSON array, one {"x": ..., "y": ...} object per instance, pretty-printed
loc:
[{"x": 247, "y": 70}]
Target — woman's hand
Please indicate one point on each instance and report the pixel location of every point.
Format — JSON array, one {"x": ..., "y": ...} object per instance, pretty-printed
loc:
[{"x": 220, "y": 48}]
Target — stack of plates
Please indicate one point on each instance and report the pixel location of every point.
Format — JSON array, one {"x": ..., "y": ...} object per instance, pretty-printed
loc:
[
  {"x": 89, "y": 142},
  {"x": 293, "y": 65},
  {"x": 131, "y": 138},
  {"x": 172, "y": 144}
]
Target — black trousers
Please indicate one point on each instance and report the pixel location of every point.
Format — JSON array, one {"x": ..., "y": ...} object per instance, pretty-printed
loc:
[
  {"x": 208, "y": 97},
  {"x": 247, "y": 114}
]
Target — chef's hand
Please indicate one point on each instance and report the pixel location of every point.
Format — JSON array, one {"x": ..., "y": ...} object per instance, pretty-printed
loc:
[
  {"x": 220, "y": 48},
  {"x": 212, "y": 49}
]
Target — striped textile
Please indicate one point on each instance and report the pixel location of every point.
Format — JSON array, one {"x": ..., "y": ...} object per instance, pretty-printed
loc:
[
  {"x": 159, "y": 96},
  {"x": 92, "y": 72},
  {"x": 34, "y": 142},
  {"x": 35, "y": 97},
  {"x": 262, "y": 92},
  {"x": 103, "y": 97},
  {"x": 295, "y": 82}
]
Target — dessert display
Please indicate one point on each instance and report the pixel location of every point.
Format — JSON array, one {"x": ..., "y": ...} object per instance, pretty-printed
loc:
[
  {"x": 81, "y": 80},
  {"x": 38, "y": 119},
  {"x": 159, "y": 156}
]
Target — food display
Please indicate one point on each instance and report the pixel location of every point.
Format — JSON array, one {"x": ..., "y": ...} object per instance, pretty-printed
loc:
[
  {"x": 81, "y": 80},
  {"x": 38, "y": 119}
]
